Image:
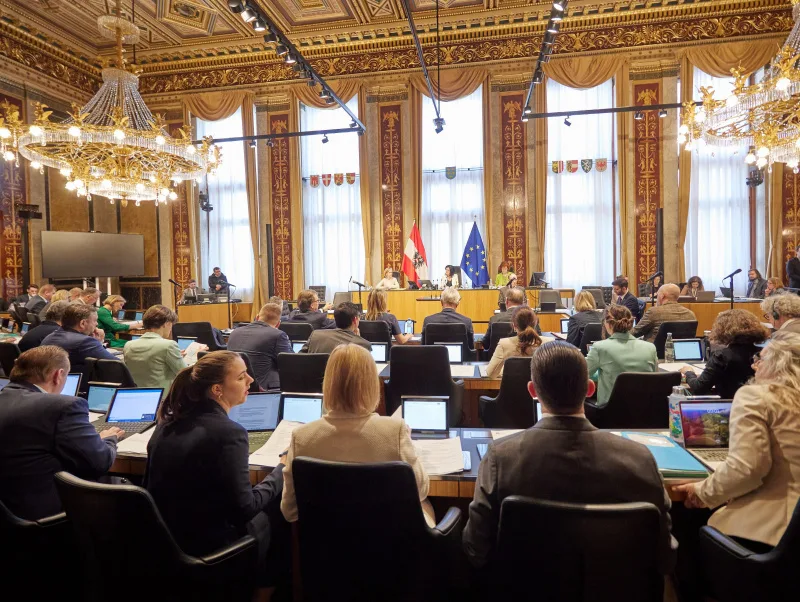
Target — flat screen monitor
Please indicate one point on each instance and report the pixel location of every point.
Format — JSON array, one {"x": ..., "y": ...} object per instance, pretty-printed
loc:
[
  {"x": 688, "y": 350},
  {"x": 72, "y": 383},
  {"x": 565, "y": 326},
  {"x": 82, "y": 254},
  {"x": 706, "y": 424},
  {"x": 298, "y": 345},
  {"x": 259, "y": 412},
  {"x": 139, "y": 316},
  {"x": 26, "y": 326},
  {"x": 121, "y": 314},
  {"x": 301, "y": 407}
]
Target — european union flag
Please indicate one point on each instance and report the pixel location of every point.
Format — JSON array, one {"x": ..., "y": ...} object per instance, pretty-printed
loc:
[{"x": 473, "y": 262}]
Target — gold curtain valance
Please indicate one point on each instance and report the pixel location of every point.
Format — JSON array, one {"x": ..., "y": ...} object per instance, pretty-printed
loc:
[
  {"x": 344, "y": 89},
  {"x": 454, "y": 83},
  {"x": 718, "y": 59},
  {"x": 583, "y": 72},
  {"x": 213, "y": 106}
]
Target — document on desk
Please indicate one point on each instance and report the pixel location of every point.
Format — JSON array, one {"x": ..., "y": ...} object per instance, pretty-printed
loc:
[
  {"x": 505, "y": 433},
  {"x": 457, "y": 370},
  {"x": 136, "y": 443},
  {"x": 94, "y": 416},
  {"x": 380, "y": 367},
  {"x": 190, "y": 359},
  {"x": 440, "y": 456},
  {"x": 677, "y": 366},
  {"x": 275, "y": 445},
  {"x": 484, "y": 370}
]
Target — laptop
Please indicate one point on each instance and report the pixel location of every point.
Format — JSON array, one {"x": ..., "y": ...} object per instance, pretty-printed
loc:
[
  {"x": 547, "y": 307},
  {"x": 139, "y": 316},
  {"x": 100, "y": 395},
  {"x": 135, "y": 337},
  {"x": 121, "y": 314},
  {"x": 298, "y": 345},
  {"x": 407, "y": 327},
  {"x": 72, "y": 383},
  {"x": 726, "y": 291},
  {"x": 301, "y": 407},
  {"x": 454, "y": 351},
  {"x": 132, "y": 410},
  {"x": 706, "y": 431},
  {"x": 380, "y": 351},
  {"x": 3, "y": 383},
  {"x": 259, "y": 417},
  {"x": 426, "y": 284},
  {"x": 184, "y": 342},
  {"x": 705, "y": 296},
  {"x": 565, "y": 326},
  {"x": 426, "y": 415},
  {"x": 688, "y": 350},
  {"x": 25, "y": 327}
]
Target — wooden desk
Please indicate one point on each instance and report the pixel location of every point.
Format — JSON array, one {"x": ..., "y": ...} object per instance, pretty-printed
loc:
[
  {"x": 215, "y": 313},
  {"x": 707, "y": 312}
]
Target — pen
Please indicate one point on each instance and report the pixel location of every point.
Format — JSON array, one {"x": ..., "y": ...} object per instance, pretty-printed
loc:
[{"x": 282, "y": 454}]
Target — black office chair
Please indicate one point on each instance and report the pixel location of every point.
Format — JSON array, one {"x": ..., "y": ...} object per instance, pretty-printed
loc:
[
  {"x": 679, "y": 330},
  {"x": 513, "y": 406},
  {"x": 15, "y": 317},
  {"x": 111, "y": 371},
  {"x": 101, "y": 513},
  {"x": 9, "y": 352},
  {"x": 500, "y": 330},
  {"x": 375, "y": 331},
  {"x": 734, "y": 573},
  {"x": 396, "y": 276},
  {"x": 201, "y": 331},
  {"x": 599, "y": 298},
  {"x": 34, "y": 319},
  {"x": 22, "y": 312},
  {"x": 254, "y": 386},
  {"x": 449, "y": 333},
  {"x": 587, "y": 551},
  {"x": 639, "y": 400},
  {"x": 422, "y": 370},
  {"x": 373, "y": 513},
  {"x": 302, "y": 372},
  {"x": 591, "y": 334},
  {"x": 297, "y": 331},
  {"x": 551, "y": 296}
]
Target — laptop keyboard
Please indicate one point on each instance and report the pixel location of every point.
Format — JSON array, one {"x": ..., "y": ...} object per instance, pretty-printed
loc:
[
  {"x": 128, "y": 427},
  {"x": 713, "y": 455}
]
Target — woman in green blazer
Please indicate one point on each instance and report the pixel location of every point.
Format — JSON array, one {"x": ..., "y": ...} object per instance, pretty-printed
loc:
[{"x": 107, "y": 321}]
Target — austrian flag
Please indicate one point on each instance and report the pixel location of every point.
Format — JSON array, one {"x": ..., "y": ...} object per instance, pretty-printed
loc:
[{"x": 415, "y": 261}]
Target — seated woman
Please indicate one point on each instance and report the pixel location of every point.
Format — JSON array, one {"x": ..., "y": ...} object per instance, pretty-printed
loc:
[
  {"x": 692, "y": 287},
  {"x": 585, "y": 313},
  {"x": 757, "y": 487},
  {"x": 450, "y": 278},
  {"x": 106, "y": 319},
  {"x": 198, "y": 467},
  {"x": 504, "y": 276},
  {"x": 155, "y": 359},
  {"x": 60, "y": 295},
  {"x": 734, "y": 337},
  {"x": 524, "y": 322},
  {"x": 774, "y": 287},
  {"x": 376, "y": 310},
  {"x": 619, "y": 352},
  {"x": 389, "y": 281},
  {"x": 351, "y": 431}
]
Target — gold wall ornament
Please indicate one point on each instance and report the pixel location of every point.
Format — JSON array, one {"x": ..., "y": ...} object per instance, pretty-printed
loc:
[
  {"x": 391, "y": 161},
  {"x": 514, "y": 160},
  {"x": 791, "y": 217},
  {"x": 12, "y": 194},
  {"x": 281, "y": 186},
  {"x": 647, "y": 181}
]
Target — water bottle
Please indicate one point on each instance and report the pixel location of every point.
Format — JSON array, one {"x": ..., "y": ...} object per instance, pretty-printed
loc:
[
  {"x": 669, "y": 349},
  {"x": 675, "y": 427}
]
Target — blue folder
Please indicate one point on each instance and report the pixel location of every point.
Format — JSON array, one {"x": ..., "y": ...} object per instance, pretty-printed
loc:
[{"x": 672, "y": 460}]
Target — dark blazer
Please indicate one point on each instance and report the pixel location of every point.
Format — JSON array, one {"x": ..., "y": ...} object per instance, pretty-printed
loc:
[
  {"x": 40, "y": 435},
  {"x": 213, "y": 281},
  {"x": 756, "y": 288},
  {"x": 325, "y": 341},
  {"x": 577, "y": 322},
  {"x": 79, "y": 346},
  {"x": 21, "y": 300},
  {"x": 631, "y": 302},
  {"x": 793, "y": 272},
  {"x": 35, "y": 304},
  {"x": 563, "y": 459},
  {"x": 317, "y": 319},
  {"x": 35, "y": 336},
  {"x": 198, "y": 473},
  {"x": 262, "y": 343},
  {"x": 727, "y": 370},
  {"x": 450, "y": 316}
]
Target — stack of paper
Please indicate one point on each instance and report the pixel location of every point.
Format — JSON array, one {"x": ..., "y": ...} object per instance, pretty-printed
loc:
[
  {"x": 94, "y": 416},
  {"x": 440, "y": 456},
  {"x": 505, "y": 433},
  {"x": 467, "y": 371},
  {"x": 136, "y": 443},
  {"x": 677, "y": 366},
  {"x": 276, "y": 445},
  {"x": 190, "y": 358},
  {"x": 483, "y": 369}
]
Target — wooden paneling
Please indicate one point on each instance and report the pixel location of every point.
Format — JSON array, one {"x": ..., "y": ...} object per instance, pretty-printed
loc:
[
  {"x": 68, "y": 211},
  {"x": 140, "y": 296},
  {"x": 215, "y": 313},
  {"x": 280, "y": 168},
  {"x": 143, "y": 220}
]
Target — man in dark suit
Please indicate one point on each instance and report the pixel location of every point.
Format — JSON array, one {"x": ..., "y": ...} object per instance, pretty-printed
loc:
[
  {"x": 33, "y": 290},
  {"x": 37, "y": 302},
  {"x": 262, "y": 342},
  {"x": 450, "y": 300},
  {"x": 52, "y": 322},
  {"x": 793, "y": 269},
  {"x": 667, "y": 310},
  {"x": 218, "y": 282},
  {"x": 346, "y": 316},
  {"x": 622, "y": 296},
  {"x": 563, "y": 458},
  {"x": 515, "y": 297},
  {"x": 308, "y": 311},
  {"x": 80, "y": 338},
  {"x": 43, "y": 432}
]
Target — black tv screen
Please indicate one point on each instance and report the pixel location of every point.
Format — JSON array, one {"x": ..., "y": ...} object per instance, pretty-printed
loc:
[{"x": 90, "y": 255}]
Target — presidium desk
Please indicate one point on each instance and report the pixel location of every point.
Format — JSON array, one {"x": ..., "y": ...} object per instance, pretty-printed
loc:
[{"x": 215, "y": 313}]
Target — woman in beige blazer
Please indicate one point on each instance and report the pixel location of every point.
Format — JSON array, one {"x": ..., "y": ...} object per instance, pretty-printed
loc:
[
  {"x": 351, "y": 431},
  {"x": 760, "y": 480},
  {"x": 524, "y": 323}
]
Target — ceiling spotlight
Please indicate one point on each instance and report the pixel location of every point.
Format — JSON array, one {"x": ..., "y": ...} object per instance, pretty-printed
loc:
[
  {"x": 297, "y": 67},
  {"x": 560, "y": 5},
  {"x": 271, "y": 38},
  {"x": 252, "y": 144},
  {"x": 537, "y": 76},
  {"x": 280, "y": 49},
  {"x": 290, "y": 59},
  {"x": 552, "y": 28},
  {"x": 525, "y": 117},
  {"x": 259, "y": 25},
  {"x": 439, "y": 124},
  {"x": 567, "y": 122},
  {"x": 353, "y": 124},
  {"x": 324, "y": 94},
  {"x": 270, "y": 142},
  {"x": 325, "y": 139},
  {"x": 662, "y": 113},
  {"x": 638, "y": 115},
  {"x": 556, "y": 17},
  {"x": 236, "y": 6},
  {"x": 527, "y": 110},
  {"x": 249, "y": 14}
]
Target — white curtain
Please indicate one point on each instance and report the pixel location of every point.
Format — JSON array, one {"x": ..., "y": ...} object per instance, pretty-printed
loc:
[
  {"x": 333, "y": 239},
  {"x": 225, "y": 231},
  {"x": 718, "y": 231},
  {"x": 579, "y": 247},
  {"x": 450, "y": 206}
]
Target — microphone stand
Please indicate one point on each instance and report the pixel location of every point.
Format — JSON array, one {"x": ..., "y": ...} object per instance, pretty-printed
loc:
[
  {"x": 178, "y": 295},
  {"x": 730, "y": 278},
  {"x": 230, "y": 316},
  {"x": 653, "y": 293}
]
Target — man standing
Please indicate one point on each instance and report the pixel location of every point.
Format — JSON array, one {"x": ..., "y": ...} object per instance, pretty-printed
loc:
[
  {"x": 346, "y": 316},
  {"x": 262, "y": 342},
  {"x": 622, "y": 296},
  {"x": 793, "y": 269},
  {"x": 450, "y": 300},
  {"x": 667, "y": 310},
  {"x": 218, "y": 282}
]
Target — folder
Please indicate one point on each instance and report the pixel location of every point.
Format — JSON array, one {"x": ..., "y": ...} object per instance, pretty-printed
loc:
[{"x": 672, "y": 460}]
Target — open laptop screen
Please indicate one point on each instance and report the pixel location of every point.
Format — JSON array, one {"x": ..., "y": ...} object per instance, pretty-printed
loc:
[
  {"x": 407, "y": 327},
  {"x": 379, "y": 352},
  {"x": 184, "y": 342},
  {"x": 688, "y": 350},
  {"x": 425, "y": 414},
  {"x": 298, "y": 345},
  {"x": 72, "y": 383},
  {"x": 139, "y": 316},
  {"x": 134, "y": 405},
  {"x": 565, "y": 326},
  {"x": 301, "y": 408},
  {"x": 99, "y": 397},
  {"x": 454, "y": 351},
  {"x": 25, "y": 327},
  {"x": 121, "y": 314},
  {"x": 706, "y": 424},
  {"x": 259, "y": 412}
]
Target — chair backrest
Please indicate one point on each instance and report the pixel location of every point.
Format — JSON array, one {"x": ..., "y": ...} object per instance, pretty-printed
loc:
[
  {"x": 679, "y": 330},
  {"x": 112, "y": 371},
  {"x": 297, "y": 331},
  {"x": 396, "y": 276},
  {"x": 500, "y": 330},
  {"x": 420, "y": 370},
  {"x": 254, "y": 386},
  {"x": 302, "y": 372},
  {"x": 373, "y": 513},
  {"x": 639, "y": 400},
  {"x": 513, "y": 406},
  {"x": 15, "y": 317},
  {"x": 199, "y": 330},
  {"x": 375, "y": 331},
  {"x": 591, "y": 333},
  {"x": 9, "y": 352},
  {"x": 34, "y": 319},
  {"x": 599, "y": 299},
  {"x": 22, "y": 312},
  {"x": 448, "y": 333},
  {"x": 586, "y": 551},
  {"x": 550, "y": 296}
]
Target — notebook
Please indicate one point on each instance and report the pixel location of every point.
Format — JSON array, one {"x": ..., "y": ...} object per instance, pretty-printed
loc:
[
  {"x": 132, "y": 410},
  {"x": 706, "y": 429},
  {"x": 454, "y": 351},
  {"x": 425, "y": 415},
  {"x": 259, "y": 412},
  {"x": 184, "y": 342},
  {"x": 688, "y": 350},
  {"x": 672, "y": 460},
  {"x": 71, "y": 384},
  {"x": 298, "y": 345},
  {"x": 100, "y": 395},
  {"x": 380, "y": 351},
  {"x": 301, "y": 407}
]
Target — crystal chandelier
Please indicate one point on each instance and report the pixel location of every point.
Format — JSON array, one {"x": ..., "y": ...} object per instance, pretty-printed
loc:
[
  {"x": 764, "y": 116},
  {"x": 113, "y": 147}
]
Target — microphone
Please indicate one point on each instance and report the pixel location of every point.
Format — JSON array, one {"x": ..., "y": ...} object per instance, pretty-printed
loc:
[
  {"x": 173, "y": 282},
  {"x": 357, "y": 283},
  {"x": 732, "y": 274},
  {"x": 656, "y": 275}
]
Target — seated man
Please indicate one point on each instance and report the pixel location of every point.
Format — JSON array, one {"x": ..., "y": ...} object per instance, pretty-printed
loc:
[
  {"x": 667, "y": 309},
  {"x": 33, "y": 290},
  {"x": 515, "y": 297},
  {"x": 308, "y": 311},
  {"x": 37, "y": 302},
  {"x": 346, "y": 317},
  {"x": 622, "y": 296},
  {"x": 783, "y": 312},
  {"x": 190, "y": 292},
  {"x": 563, "y": 458},
  {"x": 51, "y": 323},
  {"x": 80, "y": 338},
  {"x": 88, "y": 296},
  {"x": 450, "y": 300},
  {"x": 262, "y": 342},
  {"x": 43, "y": 432}
]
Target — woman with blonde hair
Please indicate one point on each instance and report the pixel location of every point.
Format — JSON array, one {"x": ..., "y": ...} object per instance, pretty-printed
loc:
[
  {"x": 585, "y": 313},
  {"x": 376, "y": 310},
  {"x": 734, "y": 337},
  {"x": 389, "y": 281},
  {"x": 350, "y": 430},
  {"x": 106, "y": 319},
  {"x": 60, "y": 295},
  {"x": 523, "y": 321},
  {"x": 774, "y": 287}
]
